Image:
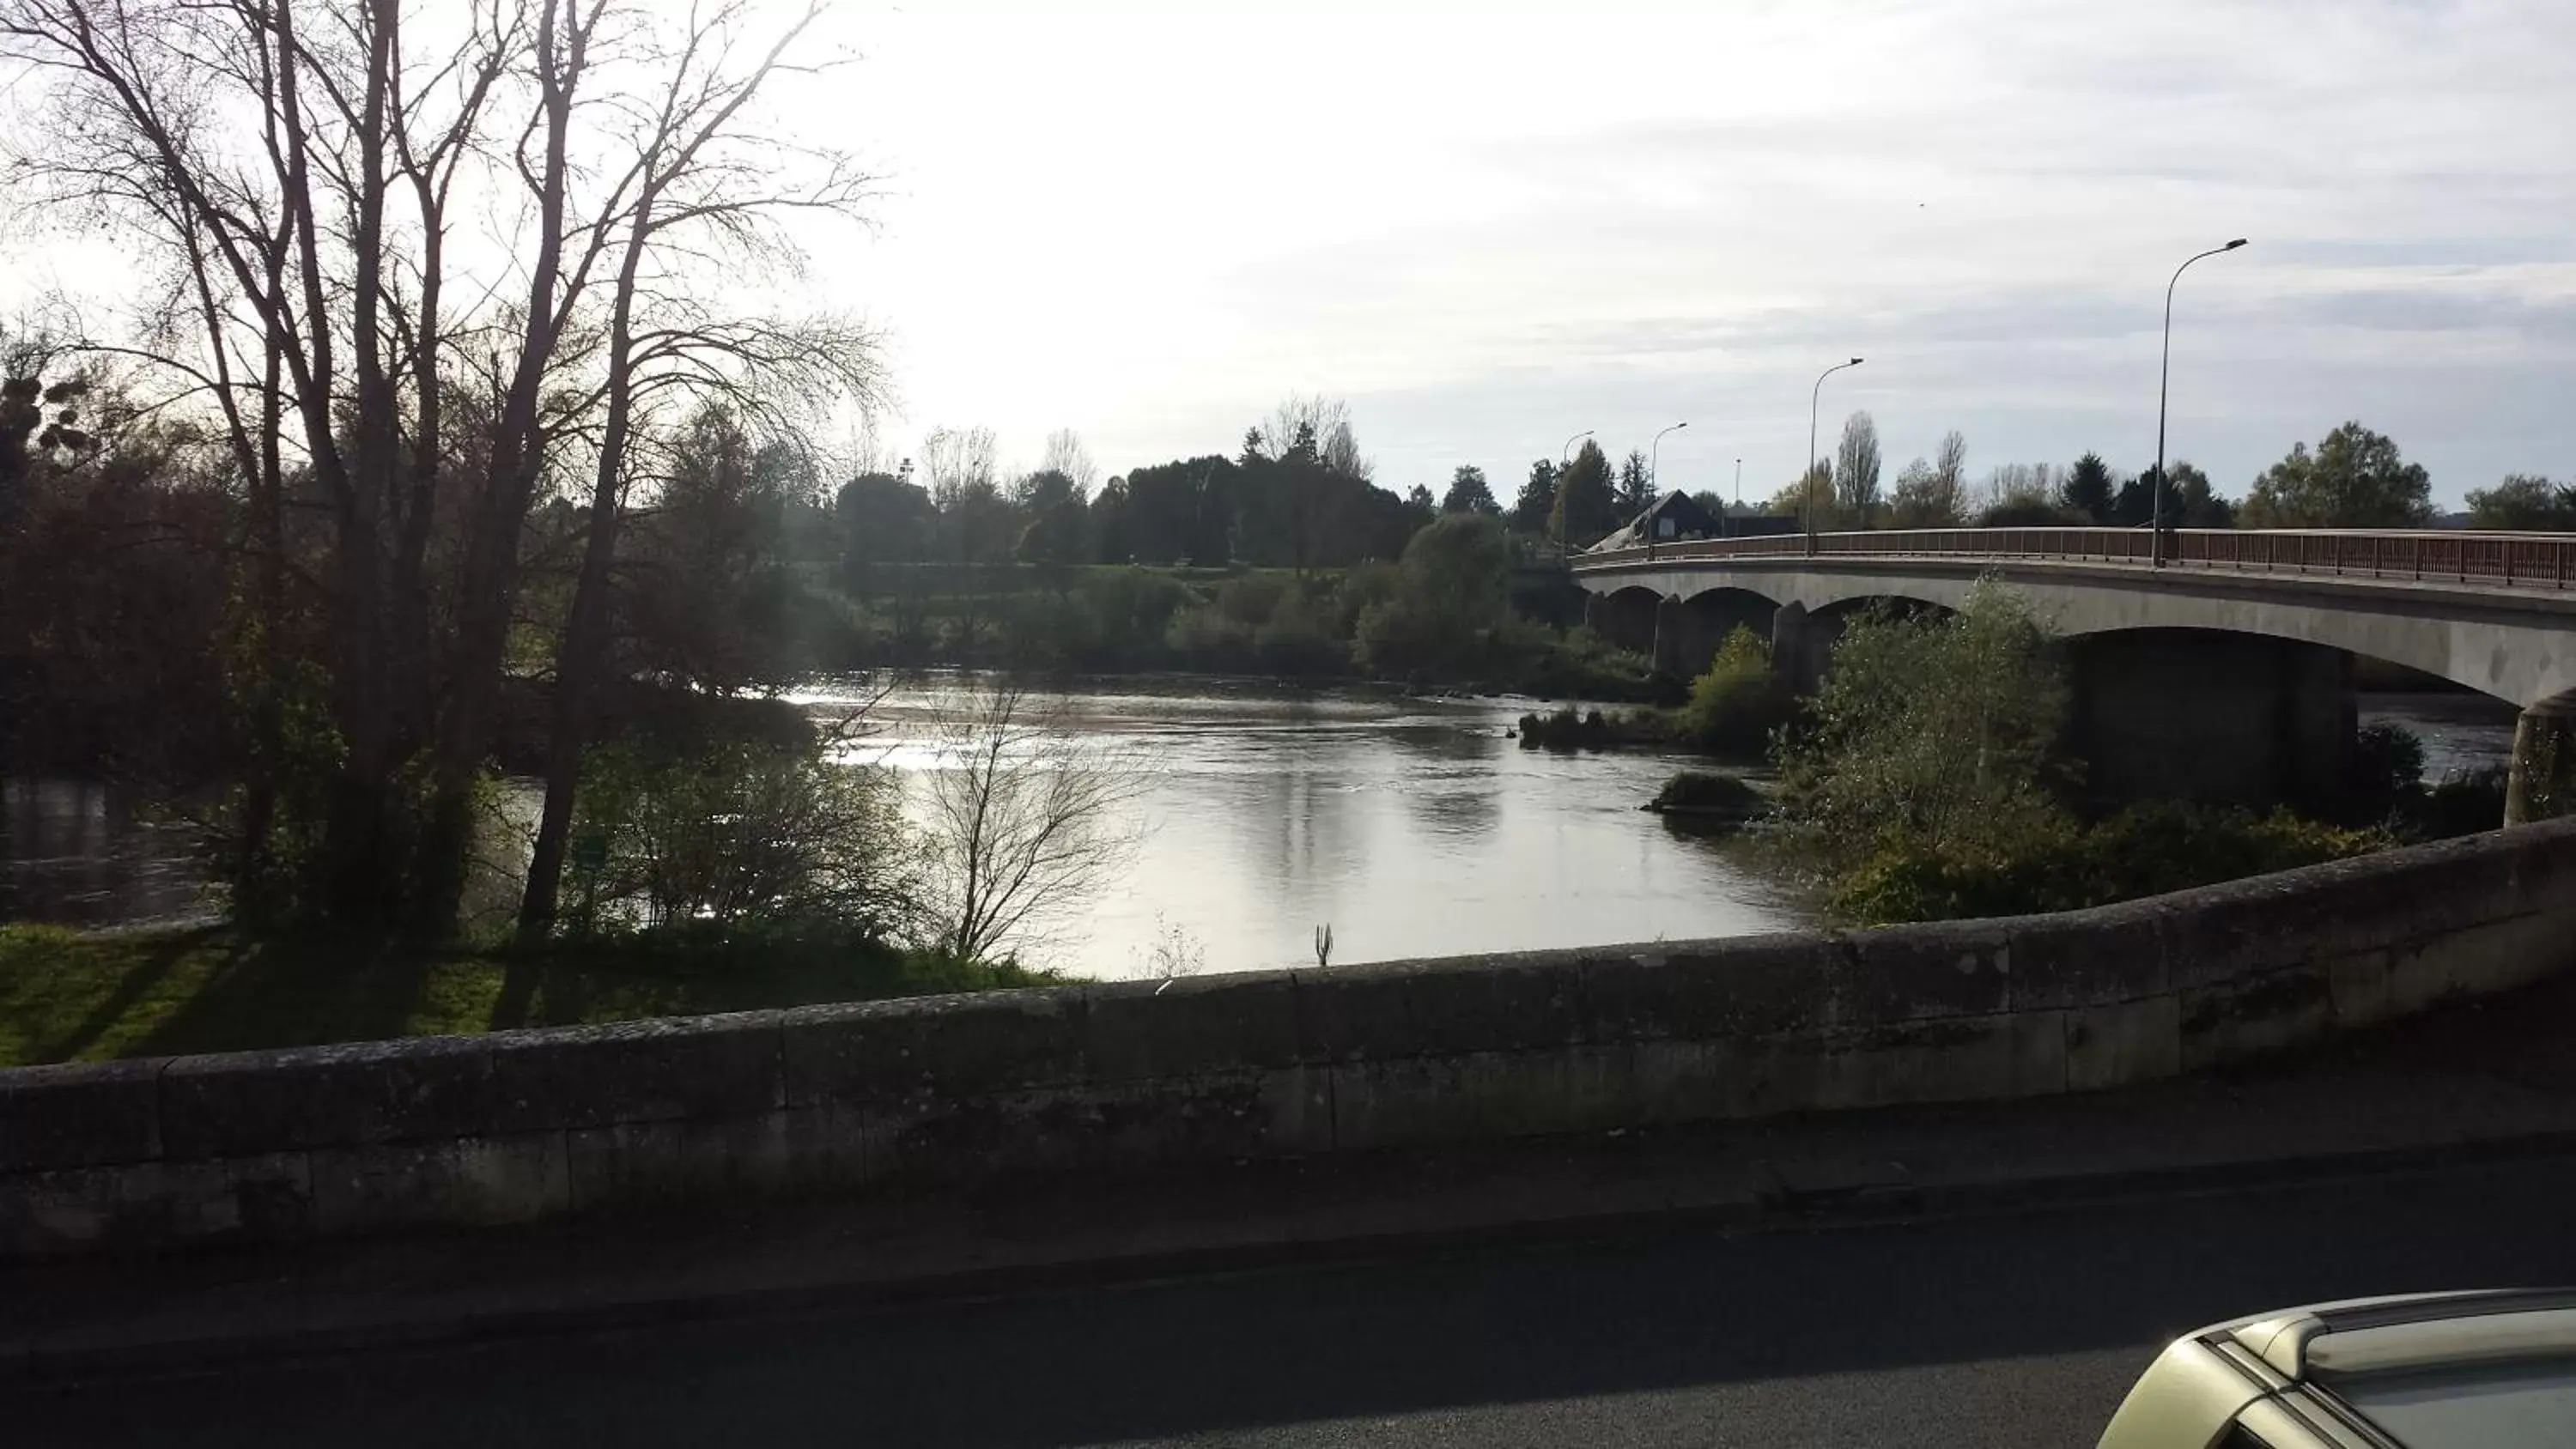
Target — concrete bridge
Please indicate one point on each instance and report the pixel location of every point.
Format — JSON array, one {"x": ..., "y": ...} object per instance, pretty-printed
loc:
[{"x": 2225, "y": 674}]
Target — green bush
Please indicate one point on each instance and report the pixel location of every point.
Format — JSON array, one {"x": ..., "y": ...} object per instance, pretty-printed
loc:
[
  {"x": 1251, "y": 599},
  {"x": 2383, "y": 775},
  {"x": 1707, "y": 792},
  {"x": 1933, "y": 736},
  {"x": 2463, "y": 803},
  {"x": 2058, "y": 865},
  {"x": 1450, "y": 597},
  {"x": 1295, "y": 641},
  {"x": 1202, "y": 637},
  {"x": 1926, "y": 783},
  {"x": 1738, "y": 702},
  {"x": 737, "y": 835}
]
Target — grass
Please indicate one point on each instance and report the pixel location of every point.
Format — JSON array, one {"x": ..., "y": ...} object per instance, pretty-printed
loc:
[{"x": 65, "y": 996}]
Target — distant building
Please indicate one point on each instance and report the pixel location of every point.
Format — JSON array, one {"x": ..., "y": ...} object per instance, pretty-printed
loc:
[{"x": 1677, "y": 518}]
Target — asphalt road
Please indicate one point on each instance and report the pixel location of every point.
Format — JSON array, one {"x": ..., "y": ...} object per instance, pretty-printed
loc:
[{"x": 2010, "y": 1329}]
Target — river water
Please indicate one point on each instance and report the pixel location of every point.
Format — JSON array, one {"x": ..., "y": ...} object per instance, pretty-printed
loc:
[{"x": 1411, "y": 826}]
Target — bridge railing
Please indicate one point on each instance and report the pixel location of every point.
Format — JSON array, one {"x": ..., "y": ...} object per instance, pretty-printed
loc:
[{"x": 2517, "y": 560}]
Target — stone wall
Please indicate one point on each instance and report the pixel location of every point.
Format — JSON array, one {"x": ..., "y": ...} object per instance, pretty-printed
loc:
[{"x": 512, "y": 1127}]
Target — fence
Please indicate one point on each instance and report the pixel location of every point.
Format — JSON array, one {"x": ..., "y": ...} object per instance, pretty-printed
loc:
[{"x": 2503, "y": 560}]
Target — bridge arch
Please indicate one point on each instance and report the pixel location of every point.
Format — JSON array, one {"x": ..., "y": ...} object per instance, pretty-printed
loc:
[
  {"x": 2492, "y": 613},
  {"x": 1696, "y": 626},
  {"x": 2521, "y": 649},
  {"x": 2211, "y": 715},
  {"x": 1625, "y": 617}
]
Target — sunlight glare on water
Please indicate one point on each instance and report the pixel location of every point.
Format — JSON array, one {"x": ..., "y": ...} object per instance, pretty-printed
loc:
[{"x": 1413, "y": 827}]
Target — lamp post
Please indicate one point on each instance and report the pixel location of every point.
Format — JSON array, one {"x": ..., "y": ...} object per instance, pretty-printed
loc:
[
  {"x": 2164, "y": 381},
  {"x": 1564, "y": 519},
  {"x": 1654, "y": 456},
  {"x": 1806, "y": 481},
  {"x": 1654, "y": 485},
  {"x": 1729, "y": 530}
]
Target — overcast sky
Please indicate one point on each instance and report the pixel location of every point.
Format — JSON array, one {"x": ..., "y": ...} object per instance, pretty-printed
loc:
[{"x": 1490, "y": 232}]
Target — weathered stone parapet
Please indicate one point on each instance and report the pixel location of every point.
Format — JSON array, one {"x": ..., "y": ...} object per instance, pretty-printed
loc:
[
  {"x": 2542, "y": 782},
  {"x": 522, "y": 1126}
]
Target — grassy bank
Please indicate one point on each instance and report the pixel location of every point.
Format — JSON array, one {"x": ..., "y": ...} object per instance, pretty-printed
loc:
[{"x": 70, "y": 997}]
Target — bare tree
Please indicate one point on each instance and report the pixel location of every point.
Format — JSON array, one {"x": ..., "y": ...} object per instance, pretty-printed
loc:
[
  {"x": 1856, "y": 466},
  {"x": 960, "y": 464},
  {"x": 1066, "y": 455},
  {"x": 1321, "y": 428},
  {"x": 704, "y": 186},
  {"x": 1950, "y": 469},
  {"x": 1933, "y": 493},
  {"x": 266, "y": 162},
  {"x": 1026, "y": 820},
  {"x": 290, "y": 169}
]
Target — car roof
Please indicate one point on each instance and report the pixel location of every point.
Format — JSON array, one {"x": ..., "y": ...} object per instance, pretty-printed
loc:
[
  {"x": 2424, "y": 1371},
  {"x": 2413, "y": 1331}
]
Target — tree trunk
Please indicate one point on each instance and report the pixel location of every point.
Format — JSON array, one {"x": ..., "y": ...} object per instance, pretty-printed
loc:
[
  {"x": 579, "y": 664},
  {"x": 488, "y": 601}
]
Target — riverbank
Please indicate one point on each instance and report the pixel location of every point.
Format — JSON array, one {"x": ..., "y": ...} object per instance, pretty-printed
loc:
[{"x": 68, "y": 996}]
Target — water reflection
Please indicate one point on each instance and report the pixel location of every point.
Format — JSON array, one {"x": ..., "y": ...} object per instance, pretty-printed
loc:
[
  {"x": 1412, "y": 827},
  {"x": 2461, "y": 732},
  {"x": 1451, "y": 788},
  {"x": 85, "y": 853}
]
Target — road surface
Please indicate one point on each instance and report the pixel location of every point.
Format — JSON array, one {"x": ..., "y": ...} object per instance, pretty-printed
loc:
[{"x": 2009, "y": 1329}]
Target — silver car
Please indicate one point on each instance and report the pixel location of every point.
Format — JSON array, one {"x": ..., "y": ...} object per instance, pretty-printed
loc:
[{"x": 2425, "y": 1371}]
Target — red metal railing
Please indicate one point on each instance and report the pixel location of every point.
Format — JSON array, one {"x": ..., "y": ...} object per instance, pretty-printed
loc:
[{"x": 2503, "y": 560}]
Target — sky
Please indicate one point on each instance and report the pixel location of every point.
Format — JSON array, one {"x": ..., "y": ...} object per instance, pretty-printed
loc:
[
  {"x": 1488, "y": 231},
  {"x": 1491, "y": 228}
]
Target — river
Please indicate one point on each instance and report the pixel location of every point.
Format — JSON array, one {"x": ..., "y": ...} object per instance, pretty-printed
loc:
[{"x": 1411, "y": 826}]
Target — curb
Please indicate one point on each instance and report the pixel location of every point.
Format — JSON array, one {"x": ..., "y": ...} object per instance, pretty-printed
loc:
[{"x": 1778, "y": 1206}]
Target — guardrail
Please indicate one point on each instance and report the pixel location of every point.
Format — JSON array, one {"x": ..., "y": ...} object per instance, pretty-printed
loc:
[{"x": 2512, "y": 560}]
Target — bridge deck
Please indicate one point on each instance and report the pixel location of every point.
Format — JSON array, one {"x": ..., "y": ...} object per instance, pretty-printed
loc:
[{"x": 2522, "y": 562}]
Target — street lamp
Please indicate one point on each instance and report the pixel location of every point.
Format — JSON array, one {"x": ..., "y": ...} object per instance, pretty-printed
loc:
[
  {"x": 1729, "y": 529},
  {"x": 2164, "y": 380},
  {"x": 1806, "y": 482},
  {"x": 1654, "y": 477},
  {"x": 1654, "y": 485},
  {"x": 1564, "y": 460}
]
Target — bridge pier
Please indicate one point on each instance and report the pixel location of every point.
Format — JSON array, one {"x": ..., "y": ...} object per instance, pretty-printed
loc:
[
  {"x": 1801, "y": 645},
  {"x": 1677, "y": 641},
  {"x": 1629, "y": 619},
  {"x": 1688, "y": 633},
  {"x": 2542, "y": 782},
  {"x": 2226, "y": 719}
]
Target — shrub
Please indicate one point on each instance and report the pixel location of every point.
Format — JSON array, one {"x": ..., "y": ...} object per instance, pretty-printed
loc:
[
  {"x": 1564, "y": 730},
  {"x": 1450, "y": 596},
  {"x": 1134, "y": 606},
  {"x": 2057, "y": 865},
  {"x": 1738, "y": 702},
  {"x": 2383, "y": 775},
  {"x": 1926, "y": 783},
  {"x": 1706, "y": 792},
  {"x": 1294, "y": 640},
  {"x": 1251, "y": 599},
  {"x": 1935, "y": 735},
  {"x": 1203, "y": 637},
  {"x": 735, "y": 835},
  {"x": 2463, "y": 803}
]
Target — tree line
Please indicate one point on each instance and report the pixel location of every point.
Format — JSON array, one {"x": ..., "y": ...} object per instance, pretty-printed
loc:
[
  {"x": 1297, "y": 494},
  {"x": 2352, "y": 478}
]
